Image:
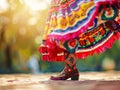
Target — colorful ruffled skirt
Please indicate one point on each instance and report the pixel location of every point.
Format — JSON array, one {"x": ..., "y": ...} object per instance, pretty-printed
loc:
[{"x": 83, "y": 27}]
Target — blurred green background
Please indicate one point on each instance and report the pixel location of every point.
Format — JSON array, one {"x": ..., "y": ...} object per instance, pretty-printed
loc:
[{"x": 22, "y": 24}]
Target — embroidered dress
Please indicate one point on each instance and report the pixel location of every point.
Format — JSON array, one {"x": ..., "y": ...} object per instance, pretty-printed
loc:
[{"x": 83, "y": 27}]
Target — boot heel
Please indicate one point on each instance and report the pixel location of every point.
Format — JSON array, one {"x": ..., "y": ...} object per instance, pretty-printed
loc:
[{"x": 76, "y": 77}]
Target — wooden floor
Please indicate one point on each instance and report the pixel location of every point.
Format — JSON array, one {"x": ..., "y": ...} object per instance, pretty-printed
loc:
[{"x": 87, "y": 81}]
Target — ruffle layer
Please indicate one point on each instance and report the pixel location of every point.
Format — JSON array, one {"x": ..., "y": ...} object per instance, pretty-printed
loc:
[
  {"x": 51, "y": 51},
  {"x": 70, "y": 34},
  {"x": 102, "y": 48},
  {"x": 55, "y": 53}
]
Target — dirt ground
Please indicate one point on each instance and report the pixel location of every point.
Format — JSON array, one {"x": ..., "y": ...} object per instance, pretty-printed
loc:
[{"x": 87, "y": 81}]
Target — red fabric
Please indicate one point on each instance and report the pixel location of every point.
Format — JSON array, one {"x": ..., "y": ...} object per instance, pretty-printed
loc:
[{"x": 50, "y": 51}]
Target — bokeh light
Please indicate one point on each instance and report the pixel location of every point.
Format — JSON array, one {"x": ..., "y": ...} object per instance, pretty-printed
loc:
[
  {"x": 22, "y": 24},
  {"x": 3, "y": 5},
  {"x": 36, "y": 5}
]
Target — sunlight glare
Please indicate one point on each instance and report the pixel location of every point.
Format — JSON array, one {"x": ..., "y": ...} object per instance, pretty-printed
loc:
[
  {"x": 37, "y": 5},
  {"x": 3, "y": 5}
]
